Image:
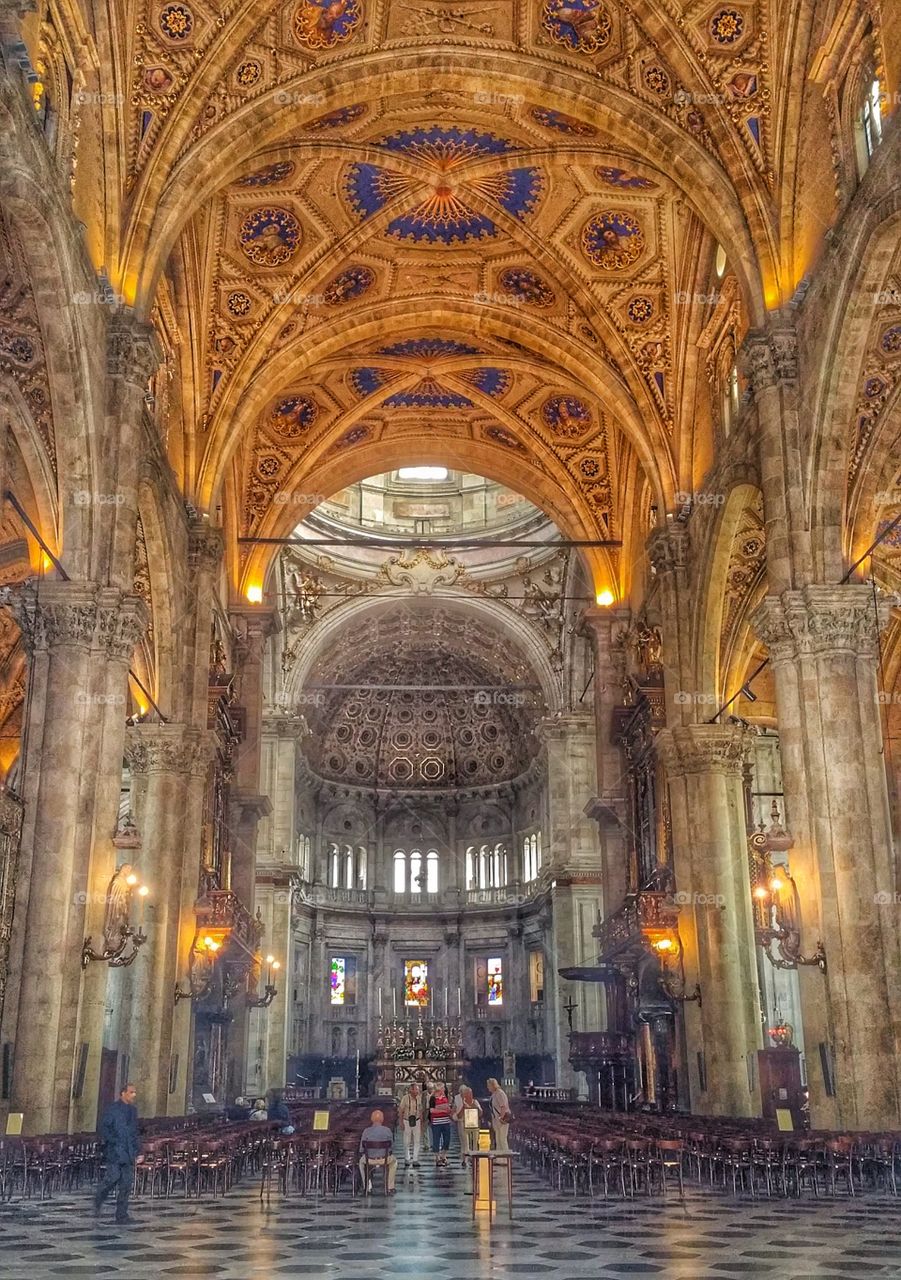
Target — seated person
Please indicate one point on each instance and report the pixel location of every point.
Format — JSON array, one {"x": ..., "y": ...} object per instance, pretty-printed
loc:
[
  {"x": 239, "y": 1110},
  {"x": 278, "y": 1110},
  {"x": 259, "y": 1111},
  {"x": 377, "y": 1131}
]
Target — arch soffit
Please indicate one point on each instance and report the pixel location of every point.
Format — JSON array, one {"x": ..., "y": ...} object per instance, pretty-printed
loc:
[
  {"x": 172, "y": 189},
  {"x": 356, "y": 612}
]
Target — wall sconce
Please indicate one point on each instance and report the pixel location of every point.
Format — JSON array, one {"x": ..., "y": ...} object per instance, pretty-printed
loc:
[
  {"x": 203, "y": 959},
  {"x": 270, "y": 990},
  {"x": 667, "y": 947},
  {"x": 776, "y": 901},
  {"x": 121, "y": 941}
]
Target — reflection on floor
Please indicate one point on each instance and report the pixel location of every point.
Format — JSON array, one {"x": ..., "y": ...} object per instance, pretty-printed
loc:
[{"x": 426, "y": 1231}]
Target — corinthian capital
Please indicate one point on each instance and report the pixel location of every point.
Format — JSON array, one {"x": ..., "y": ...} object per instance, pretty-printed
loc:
[
  {"x": 821, "y": 621},
  {"x": 769, "y": 358},
  {"x": 169, "y": 748},
  {"x": 703, "y": 748},
  {"x": 205, "y": 546},
  {"x": 77, "y": 615},
  {"x": 668, "y": 547},
  {"x": 132, "y": 348}
]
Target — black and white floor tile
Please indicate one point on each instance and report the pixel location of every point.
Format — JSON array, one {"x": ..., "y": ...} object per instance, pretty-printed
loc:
[{"x": 426, "y": 1232}]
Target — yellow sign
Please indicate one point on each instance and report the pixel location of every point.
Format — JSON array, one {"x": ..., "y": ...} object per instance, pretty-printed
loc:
[
  {"x": 320, "y": 1122},
  {"x": 784, "y": 1120},
  {"x": 14, "y": 1122}
]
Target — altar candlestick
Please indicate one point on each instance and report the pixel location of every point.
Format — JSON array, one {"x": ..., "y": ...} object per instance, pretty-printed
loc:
[
  {"x": 445, "y": 1002},
  {"x": 394, "y": 1000},
  {"x": 380, "y": 1001},
  {"x": 459, "y": 1004}
]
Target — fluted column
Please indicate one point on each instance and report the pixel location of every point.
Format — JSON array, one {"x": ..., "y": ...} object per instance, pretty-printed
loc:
[
  {"x": 253, "y": 626},
  {"x": 610, "y": 807},
  {"x": 703, "y": 766},
  {"x": 80, "y": 638},
  {"x": 823, "y": 647},
  {"x": 574, "y": 867},
  {"x": 168, "y": 763},
  {"x": 770, "y": 362}
]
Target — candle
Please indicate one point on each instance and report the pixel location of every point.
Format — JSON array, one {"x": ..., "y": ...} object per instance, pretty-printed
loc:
[
  {"x": 459, "y": 1003},
  {"x": 380, "y": 1001},
  {"x": 445, "y": 1002},
  {"x": 394, "y": 1001}
]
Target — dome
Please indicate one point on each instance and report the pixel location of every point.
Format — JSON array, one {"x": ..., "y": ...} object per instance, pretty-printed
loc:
[{"x": 439, "y": 704}]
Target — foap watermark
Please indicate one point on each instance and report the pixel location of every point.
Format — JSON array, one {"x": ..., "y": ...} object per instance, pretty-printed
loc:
[
  {"x": 97, "y": 298},
  {"x": 488, "y": 98},
  {"x": 887, "y": 298},
  {"x": 84, "y": 699},
  {"x": 887, "y": 699},
  {"x": 887, "y": 497},
  {"x": 287, "y": 97},
  {"x": 310, "y": 698},
  {"x": 485, "y": 299},
  {"x": 86, "y": 98},
  {"x": 690, "y": 298},
  {"x": 884, "y": 898},
  {"x": 700, "y": 498},
  {"x": 503, "y": 698},
  {"x": 685, "y": 898},
  {"x": 85, "y": 498},
  {"x": 299, "y": 499},
  {"x": 686, "y": 698}
]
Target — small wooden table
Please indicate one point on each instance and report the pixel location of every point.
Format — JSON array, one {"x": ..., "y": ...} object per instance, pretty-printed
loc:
[{"x": 483, "y": 1163}]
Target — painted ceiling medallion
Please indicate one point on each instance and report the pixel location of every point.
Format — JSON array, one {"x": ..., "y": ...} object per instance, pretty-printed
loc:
[
  {"x": 334, "y": 119},
  {"x": 551, "y": 119},
  {"x": 566, "y": 416},
  {"x": 613, "y": 177},
  {"x": 348, "y": 286},
  {"x": 612, "y": 240},
  {"x": 239, "y": 304},
  {"x": 176, "y": 21},
  {"x": 446, "y": 215},
  {"x": 248, "y": 73},
  {"x": 270, "y": 237},
  {"x": 321, "y": 24},
  {"x": 583, "y": 25},
  {"x": 727, "y": 26},
  {"x": 891, "y": 340},
  {"x": 293, "y": 416},
  {"x": 527, "y": 286},
  {"x": 429, "y": 348},
  {"x": 640, "y": 309},
  {"x": 500, "y": 435},
  {"x": 267, "y": 177},
  {"x": 158, "y": 79}
]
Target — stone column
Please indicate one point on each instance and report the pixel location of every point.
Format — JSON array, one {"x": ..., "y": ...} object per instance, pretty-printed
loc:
[
  {"x": 703, "y": 766},
  {"x": 609, "y": 807},
  {"x": 823, "y": 646},
  {"x": 168, "y": 763},
  {"x": 80, "y": 637},
  {"x": 253, "y": 625},
  {"x": 574, "y": 869},
  {"x": 270, "y": 1028}
]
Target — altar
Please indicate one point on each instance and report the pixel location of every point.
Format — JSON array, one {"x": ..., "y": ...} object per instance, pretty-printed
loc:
[{"x": 419, "y": 1051}]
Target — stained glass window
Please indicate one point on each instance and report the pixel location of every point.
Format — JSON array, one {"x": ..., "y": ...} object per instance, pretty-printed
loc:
[
  {"x": 416, "y": 983},
  {"x": 338, "y": 979},
  {"x": 343, "y": 980},
  {"x": 495, "y": 981}
]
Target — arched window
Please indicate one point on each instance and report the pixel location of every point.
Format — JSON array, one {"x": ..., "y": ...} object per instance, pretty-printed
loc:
[
  {"x": 415, "y": 871},
  {"x": 432, "y": 871},
  {"x": 400, "y": 871},
  {"x": 471, "y": 868},
  {"x": 361, "y": 867},
  {"x": 334, "y": 866},
  {"x": 531, "y": 856}
]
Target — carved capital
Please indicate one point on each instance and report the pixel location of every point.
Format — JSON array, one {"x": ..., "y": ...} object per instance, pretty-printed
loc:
[
  {"x": 77, "y": 615},
  {"x": 205, "y": 546},
  {"x": 822, "y": 621},
  {"x": 132, "y": 348},
  {"x": 703, "y": 748},
  {"x": 668, "y": 547},
  {"x": 169, "y": 748},
  {"x": 769, "y": 358}
]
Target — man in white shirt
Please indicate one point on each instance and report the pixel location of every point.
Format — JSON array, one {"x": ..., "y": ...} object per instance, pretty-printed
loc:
[
  {"x": 500, "y": 1115},
  {"x": 377, "y": 1131},
  {"x": 410, "y": 1116}
]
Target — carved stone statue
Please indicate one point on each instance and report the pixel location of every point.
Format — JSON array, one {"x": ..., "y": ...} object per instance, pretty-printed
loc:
[
  {"x": 118, "y": 901},
  {"x": 306, "y": 589}
]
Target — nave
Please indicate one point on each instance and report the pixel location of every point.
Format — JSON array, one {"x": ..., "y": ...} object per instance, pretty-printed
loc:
[{"x": 427, "y": 1230}]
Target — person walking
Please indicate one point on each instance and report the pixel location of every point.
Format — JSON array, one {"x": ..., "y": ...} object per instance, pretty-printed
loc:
[
  {"x": 410, "y": 1116},
  {"x": 500, "y": 1116},
  {"x": 440, "y": 1122},
  {"x": 469, "y": 1136},
  {"x": 122, "y": 1150}
]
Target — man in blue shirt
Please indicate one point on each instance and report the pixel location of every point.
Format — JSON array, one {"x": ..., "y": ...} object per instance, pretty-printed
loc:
[
  {"x": 122, "y": 1147},
  {"x": 377, "y": 1131}
]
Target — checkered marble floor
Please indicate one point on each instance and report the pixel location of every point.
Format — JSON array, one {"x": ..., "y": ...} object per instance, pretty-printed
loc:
[{"x": 426, "y": 1232}]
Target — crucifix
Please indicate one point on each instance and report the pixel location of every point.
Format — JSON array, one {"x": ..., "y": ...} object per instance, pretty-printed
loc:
[{"x": 570, "y": 1007}]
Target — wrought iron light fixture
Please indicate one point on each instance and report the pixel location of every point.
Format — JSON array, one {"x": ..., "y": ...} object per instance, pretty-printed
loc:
[
  {"x": 121, "y": 940},
  {"x": 270, "y": 990},
  {"x": 667, "y": 946},
  {"x": 777, "y": 903}
]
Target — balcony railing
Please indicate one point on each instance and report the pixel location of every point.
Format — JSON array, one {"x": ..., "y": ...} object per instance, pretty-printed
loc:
[
  {"x": 599, "y": 1047},
  {"x": 625, "y": 931}
]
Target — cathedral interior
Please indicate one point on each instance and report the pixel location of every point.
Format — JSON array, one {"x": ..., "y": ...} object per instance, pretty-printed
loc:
[{"x": 450, "y": 556}]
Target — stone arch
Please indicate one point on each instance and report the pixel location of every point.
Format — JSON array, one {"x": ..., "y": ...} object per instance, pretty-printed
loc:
[{"x": 727, "y": 572}]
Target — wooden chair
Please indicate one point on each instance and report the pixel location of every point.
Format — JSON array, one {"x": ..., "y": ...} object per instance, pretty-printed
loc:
[{"x": 375, "y": 1156}]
